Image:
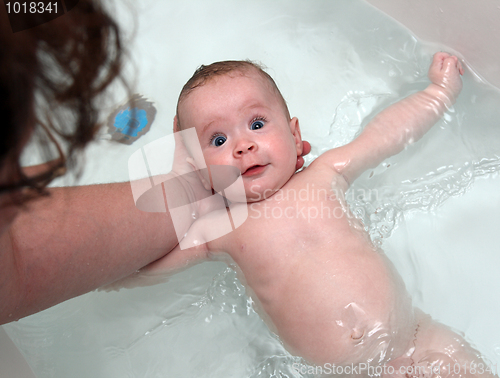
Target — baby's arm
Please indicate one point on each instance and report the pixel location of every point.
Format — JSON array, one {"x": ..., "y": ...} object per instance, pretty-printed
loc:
[{"x": 402, "y": 123}]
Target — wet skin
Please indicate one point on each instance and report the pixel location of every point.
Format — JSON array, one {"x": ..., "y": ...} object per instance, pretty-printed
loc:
[{"x": 320, "y": 283}]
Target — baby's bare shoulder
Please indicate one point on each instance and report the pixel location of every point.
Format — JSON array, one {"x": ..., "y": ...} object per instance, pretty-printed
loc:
[{"x": 323, "y": 171}]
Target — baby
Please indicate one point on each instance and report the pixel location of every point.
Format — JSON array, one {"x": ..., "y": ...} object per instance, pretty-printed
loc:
[{"x": 318, "y": 281}]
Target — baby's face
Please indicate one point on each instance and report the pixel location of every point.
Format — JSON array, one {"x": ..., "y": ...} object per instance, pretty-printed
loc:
[{"x": 241, "y": 122}]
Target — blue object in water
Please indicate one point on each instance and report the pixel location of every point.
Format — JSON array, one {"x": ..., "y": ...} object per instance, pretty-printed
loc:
[
  {"x": 131, "y": 121},
  {"x": 128, "y": 122}
]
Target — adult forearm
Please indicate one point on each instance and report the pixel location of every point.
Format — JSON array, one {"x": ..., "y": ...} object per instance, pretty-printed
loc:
[{"x": 74, "y": 241}]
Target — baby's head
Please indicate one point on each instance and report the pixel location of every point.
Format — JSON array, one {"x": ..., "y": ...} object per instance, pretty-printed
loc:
[{"x": 242, "y": 120}]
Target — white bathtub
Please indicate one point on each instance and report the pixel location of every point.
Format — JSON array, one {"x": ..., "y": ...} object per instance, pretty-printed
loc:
[{"x": 462, "y": 232}]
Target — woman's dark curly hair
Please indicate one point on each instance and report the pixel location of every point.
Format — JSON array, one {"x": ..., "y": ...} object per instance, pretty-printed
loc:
[{"x": 51, "y": 76}]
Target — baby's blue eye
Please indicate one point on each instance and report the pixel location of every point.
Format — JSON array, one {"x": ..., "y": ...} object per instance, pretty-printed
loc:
[
  {"x": 257, "y": 125},
  {"x": 218, "y": 140}
]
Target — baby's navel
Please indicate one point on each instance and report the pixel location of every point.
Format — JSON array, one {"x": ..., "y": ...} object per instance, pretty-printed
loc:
[{"x": 357, "y": 334}]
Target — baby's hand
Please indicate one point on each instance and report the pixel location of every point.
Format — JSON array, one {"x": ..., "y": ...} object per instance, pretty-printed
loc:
[{"x": 445, "y": 72}]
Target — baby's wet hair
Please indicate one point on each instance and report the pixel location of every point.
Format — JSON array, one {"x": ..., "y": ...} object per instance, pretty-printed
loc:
[{"x": 204, "y": 74}]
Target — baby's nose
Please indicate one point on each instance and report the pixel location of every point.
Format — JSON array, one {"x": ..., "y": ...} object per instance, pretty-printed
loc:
[{"x": 245, "y": 146}]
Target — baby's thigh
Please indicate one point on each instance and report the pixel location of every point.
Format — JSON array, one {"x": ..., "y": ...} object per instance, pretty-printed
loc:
[{"x": 439, "y": 352}]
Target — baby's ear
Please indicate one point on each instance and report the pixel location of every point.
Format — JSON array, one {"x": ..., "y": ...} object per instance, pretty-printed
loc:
[
  {"x": 176, "y": 124},
  {"x": 297, "y": 137}
]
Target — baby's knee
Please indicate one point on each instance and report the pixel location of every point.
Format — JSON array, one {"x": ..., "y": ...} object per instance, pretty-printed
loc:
[{"x": 439, "y": 352}]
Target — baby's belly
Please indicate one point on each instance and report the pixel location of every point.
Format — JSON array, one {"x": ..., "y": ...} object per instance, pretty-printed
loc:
[
  {"x": 330, "y": 296},
  {"x": 339, "y": 305}
]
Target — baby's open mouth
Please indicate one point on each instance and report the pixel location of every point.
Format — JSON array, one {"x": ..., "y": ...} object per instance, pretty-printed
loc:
[{"x": 254, "y": 170}]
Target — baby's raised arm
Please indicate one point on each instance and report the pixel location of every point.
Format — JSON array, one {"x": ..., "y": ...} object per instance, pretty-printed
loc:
[{"x": 402, "y": 123}]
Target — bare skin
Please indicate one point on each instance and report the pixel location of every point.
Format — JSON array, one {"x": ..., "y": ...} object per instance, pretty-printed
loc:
[
  {"x": 78, "y": 239},
  {"x": 322, "y": 286},
  {"x": 74, "y": 241}
]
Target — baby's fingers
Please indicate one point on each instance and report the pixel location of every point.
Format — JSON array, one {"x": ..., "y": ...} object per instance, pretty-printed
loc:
[
  {"x": 443, "y": 61},
  {"x": 445, "y": 72},
  {"x": 452, "y": 63},
  {"x": 438, "y": 61},
  {"x": 460, "y": 67}
]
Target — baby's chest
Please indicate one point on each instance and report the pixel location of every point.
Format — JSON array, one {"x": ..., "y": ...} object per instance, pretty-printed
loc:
[
  {"x": 300, "y": 204},
  {"x": 297, "y": 219}
]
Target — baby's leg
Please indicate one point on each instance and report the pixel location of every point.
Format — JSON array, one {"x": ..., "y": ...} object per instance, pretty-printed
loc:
[{"x": 439, "y": 352}]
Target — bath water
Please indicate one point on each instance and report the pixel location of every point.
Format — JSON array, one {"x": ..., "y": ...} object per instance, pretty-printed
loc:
[{"x": 337, "y": 63}]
